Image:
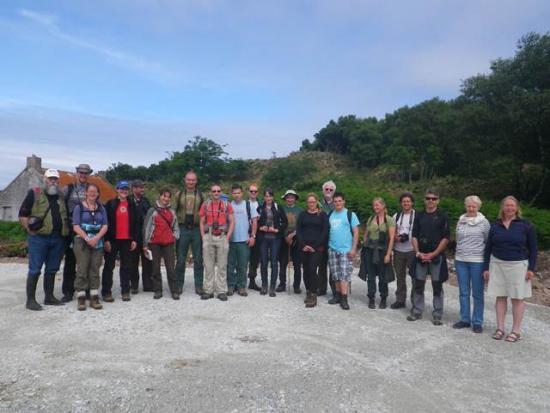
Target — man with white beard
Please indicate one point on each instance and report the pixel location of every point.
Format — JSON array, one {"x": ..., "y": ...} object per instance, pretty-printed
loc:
[{"x": 43, "y": 214}]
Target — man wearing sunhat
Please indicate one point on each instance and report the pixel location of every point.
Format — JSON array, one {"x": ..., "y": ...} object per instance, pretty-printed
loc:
[
  {"x": 121, "y": 238},
  {"x": 142, "y": 205},
  {"x": 44, "y": 217},
  {"x": 74, "y": 194},
  {"x": 289, "y": 247}
]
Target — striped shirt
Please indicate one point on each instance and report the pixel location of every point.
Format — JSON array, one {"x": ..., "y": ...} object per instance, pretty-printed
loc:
[{"x": 471, "y": 237}]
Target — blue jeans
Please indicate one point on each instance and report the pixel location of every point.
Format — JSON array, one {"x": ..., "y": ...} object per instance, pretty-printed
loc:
[
  {"x": 45, "y": 250},
  {"x": 470, "y": 281},
  {"x": 269, "y": 252}
]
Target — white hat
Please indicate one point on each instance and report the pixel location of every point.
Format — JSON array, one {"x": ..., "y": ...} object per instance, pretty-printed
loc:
[
  {"x": 290, "y": 192},
  {"x": 51, "y": 173}
]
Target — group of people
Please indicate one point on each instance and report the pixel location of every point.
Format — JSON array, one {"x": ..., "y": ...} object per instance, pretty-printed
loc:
[{"x": 230, "y": 239}]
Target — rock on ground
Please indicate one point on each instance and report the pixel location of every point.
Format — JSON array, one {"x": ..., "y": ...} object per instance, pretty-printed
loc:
[{"x": 261, "y": 354}]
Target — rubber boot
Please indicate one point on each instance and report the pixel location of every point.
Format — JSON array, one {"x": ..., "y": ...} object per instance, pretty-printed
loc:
[
  {"x": 49, "y": 299},
  {"x": 31, "y": 292},
  {"x": 336, "y": 299},
  {"x": 344, "y": 302}
]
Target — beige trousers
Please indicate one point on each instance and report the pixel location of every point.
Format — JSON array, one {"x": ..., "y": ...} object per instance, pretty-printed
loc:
[{"x": 214, "y": 253}]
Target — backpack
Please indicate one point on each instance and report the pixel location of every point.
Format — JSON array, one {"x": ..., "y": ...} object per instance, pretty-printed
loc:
[{"x": 349, "y": 214}]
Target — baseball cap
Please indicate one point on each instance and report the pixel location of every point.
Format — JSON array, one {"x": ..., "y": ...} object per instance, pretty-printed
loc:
[
  {"x": 51, "y": 173},
  {"x": 122, "y": 185}
]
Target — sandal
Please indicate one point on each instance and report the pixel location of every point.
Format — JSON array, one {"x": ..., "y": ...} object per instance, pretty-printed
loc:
[
  {"x": 513, "y": 337},
  {"x": 498, "y": 334}
]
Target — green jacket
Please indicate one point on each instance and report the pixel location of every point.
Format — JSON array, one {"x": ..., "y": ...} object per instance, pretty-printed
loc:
[{"x": 40, "y": 207}]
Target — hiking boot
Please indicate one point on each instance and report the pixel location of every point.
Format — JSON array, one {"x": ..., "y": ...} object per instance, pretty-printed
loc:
[
  {"x": 66, "y": 298},
  {"x": 437, "y": 321},
  {"x": 281, "y": 288},
  {"x": 344, "y": 302},
  {"x": 222, "y": 297},
  {"x": 272, "y": 292},
  {"x": 336, "y": 299},
  {"x": 134, "y": 291},
  {"x": 477, "y": 329},
  {"x": 49, "y": 298},
  {"x": 372, "y": 304},
  {"x": 263, "y": 291},
  {"x": 206, "y": 296},
  {"x": 311, "y": 301},
  {"x": 243, "y": 292},
  {"x": 81, "y": 303},
  {"x": 297, "y": 290},
  {"x": 252, "y": 285},
  {"x": 31, "y": 292},
  {"x": 108, "y": 298},
  {"x": 397, "y": 305},
  {"x": 126, "y": 297},
  {"x": 157, "y": 295},
  {"x": 94, "y": 303},
  {"x": 461, "y": 324},
  {"x": 230, "y": 292},
  {"x": 175, "y": 296},
  {"x": 382, "y": 304},
  {"x": 414, "y": 317},
  {"x": 198, "y": 291},
  {"x": 307, "y": 296}
]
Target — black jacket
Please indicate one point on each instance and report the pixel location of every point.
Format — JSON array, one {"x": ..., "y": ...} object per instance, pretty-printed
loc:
[
  {"x": 111, "y": 207},
  {"x": 280, "y": 220}
]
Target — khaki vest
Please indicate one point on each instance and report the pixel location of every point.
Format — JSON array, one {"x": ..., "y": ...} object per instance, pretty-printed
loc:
[{"x": 39, "y": 209}]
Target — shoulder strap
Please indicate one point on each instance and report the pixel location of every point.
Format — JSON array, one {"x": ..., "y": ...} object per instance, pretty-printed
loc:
[
  {"x": 330, "y": 213},
  {"x": 162, "y": 216},
  {"x": 248, "y": 213},
  {"x": 179, "y": 201},
  {"x": 349, "y": 220}
]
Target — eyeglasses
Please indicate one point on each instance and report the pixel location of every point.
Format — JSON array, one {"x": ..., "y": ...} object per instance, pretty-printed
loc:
[
  {"x": 431, "y": 198},
  {"x": 216, "y": 191},
  {"x": 329, "y": 189},
  {"x": 253, "y": 191}
]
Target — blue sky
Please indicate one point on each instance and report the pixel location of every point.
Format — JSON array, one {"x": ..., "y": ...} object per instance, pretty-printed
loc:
[{"x": 108, "y": 81}]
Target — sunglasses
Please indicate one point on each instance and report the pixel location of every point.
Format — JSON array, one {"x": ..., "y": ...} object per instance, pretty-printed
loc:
[
  {"x": 431, "y": 198},
  {"x": 216, "y": 191},
  {"x": 253, "y": 191},
  {"x": 329, "y": 189}
]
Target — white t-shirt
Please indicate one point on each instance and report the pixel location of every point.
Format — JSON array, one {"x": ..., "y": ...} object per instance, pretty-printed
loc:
[{"x": 404, "y": 226}]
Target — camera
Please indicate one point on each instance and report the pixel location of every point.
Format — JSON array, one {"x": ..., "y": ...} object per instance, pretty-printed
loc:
[
  {"x": 403, "y": 237},
  {"x": 189, "y": 221}
]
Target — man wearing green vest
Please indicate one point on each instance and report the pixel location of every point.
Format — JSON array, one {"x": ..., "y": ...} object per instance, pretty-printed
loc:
[
  {"x": 43, "y": 214},
  {"x": 188, "y": 204}
]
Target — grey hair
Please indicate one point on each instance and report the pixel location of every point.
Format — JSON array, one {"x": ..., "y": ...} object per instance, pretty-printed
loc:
[
  {"x": 329, "y": 183},
  {"x": 473, "y": 199}
]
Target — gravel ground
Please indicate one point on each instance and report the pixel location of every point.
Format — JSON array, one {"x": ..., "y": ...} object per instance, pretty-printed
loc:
[{"x": 260, "y": 354}]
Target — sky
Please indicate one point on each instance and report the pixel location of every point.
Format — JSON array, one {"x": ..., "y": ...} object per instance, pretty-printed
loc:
[{"x": 109, "y": 81}]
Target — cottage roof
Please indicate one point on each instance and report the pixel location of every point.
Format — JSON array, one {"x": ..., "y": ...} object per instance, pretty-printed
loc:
[{"x": 106, "y": 190}]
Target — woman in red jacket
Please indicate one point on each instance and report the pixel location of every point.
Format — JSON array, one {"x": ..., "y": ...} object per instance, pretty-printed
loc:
[{"x": 160, "y": 232}]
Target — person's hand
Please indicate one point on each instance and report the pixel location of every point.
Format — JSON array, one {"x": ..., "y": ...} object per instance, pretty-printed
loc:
[
  {"x": 107, "y": 246},
  {"x": 429, "y": 256},
  {"x": 251, "y": 241},
  {"x": 307, "y": 248},
  {"x": 228, "y": 238},
  {"x": 486, "y": 275},
  {"x": 92, "y": 242},
  {"x": 529, "y": 276},
  {"x": 263, "y": 228},
  {"x": 352, "y": 253},
  {"x": 145, "y": 249},
  {"x": 133, "y": 245},
  {"x": 31, "y": 232},
  {"x": 387, "y": 258},
  {"x": 288, "y": 239}
]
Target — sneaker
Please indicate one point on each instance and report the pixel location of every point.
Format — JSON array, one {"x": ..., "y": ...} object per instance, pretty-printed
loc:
[
  {"x": 126, "y": 297},
  {"x": 280, "y": 288},
  {"x": 107, "y": 298},
  {"x": 157, "y": 295},
  {"x": 397, "y": 305},
  {"x": 222, "y": 297},
  {"x": 461, "y": 324},
  {"x": 414, "y": 317},
  {"x": 437, "y": 321},
  {"x": 242, "y": 292},
  {"x": 477, "y": 329},
  {"x": 206, "y": 296},
  {"x": 297, "y": 290}
]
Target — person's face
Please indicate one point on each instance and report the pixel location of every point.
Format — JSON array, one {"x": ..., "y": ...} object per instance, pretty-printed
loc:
[
  {"x": 92, "y": 194},
  {"x": 268, "y": 198},
  {"x": 339, "y": 203},
  {"x": 165, "y": 198},
  {"x": 237, "y": 195},
  {"x": 406, "y": 203},
  {"x": 311, "y": 203},
  {"x": 328, "y": 191},
  {"x": 190, "y": 181},
  {"x": 290, "y": 200},
  {"x": 377, "y": 207},
  {"x": 52, "y": 185},
  {"x": 431, "y": 201},
  {"x": 253, "y": 192},
  {"x": 123, "y": 193},
  {"x": 472, "y": 208},
  {"x": 52, "y": 181},
  {"x": 82, "y": 177},
  {"x": 138, "y": 191},
  {"x": 510, "y": 208},
  {"x": 216, "y": 192}
]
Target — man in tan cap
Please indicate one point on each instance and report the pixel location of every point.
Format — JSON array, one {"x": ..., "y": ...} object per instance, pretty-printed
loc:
[{"x": 74, "y": 194}]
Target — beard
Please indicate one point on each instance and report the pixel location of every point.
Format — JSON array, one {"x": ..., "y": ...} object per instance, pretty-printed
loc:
[{"x": 52, "y": 189}]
